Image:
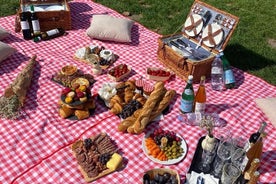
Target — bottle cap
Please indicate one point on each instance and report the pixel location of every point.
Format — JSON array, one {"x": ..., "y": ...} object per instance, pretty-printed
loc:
[
  {"x": 37, "y": 39},
  {"x": 202, "y": 77},
  {"x": 190, "y": 77}
]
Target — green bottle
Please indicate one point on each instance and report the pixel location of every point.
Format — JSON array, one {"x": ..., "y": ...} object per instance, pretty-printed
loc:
[
  {"x": 229, "y": 78},
  {"x": 187, "y": 97}
]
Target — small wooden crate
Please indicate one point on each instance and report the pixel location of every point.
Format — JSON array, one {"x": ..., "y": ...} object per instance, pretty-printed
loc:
[
  {"x": 211, "y": 33},
  {"x": 50, "y": 19}
]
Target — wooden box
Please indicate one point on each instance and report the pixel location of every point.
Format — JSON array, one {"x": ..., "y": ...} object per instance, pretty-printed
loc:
[
  {"x": 205, "y": 32},
  {"x": 51, "y": 13}
]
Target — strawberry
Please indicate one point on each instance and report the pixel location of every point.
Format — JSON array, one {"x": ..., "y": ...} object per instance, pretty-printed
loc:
[
  {"x": 80, "y": 94},
  {"x": 65, "y": 91}
]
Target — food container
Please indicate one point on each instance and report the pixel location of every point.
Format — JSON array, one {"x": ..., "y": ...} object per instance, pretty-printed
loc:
[
  {"x": 158, "y": 74},
  {"x": 119, "y": 72},
  {"x": 161, "y": 171},
  {"x": 206, "y": 31}
]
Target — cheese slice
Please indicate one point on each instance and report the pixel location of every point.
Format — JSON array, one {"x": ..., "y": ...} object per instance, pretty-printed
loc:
[{"x": 114, "y": 162}]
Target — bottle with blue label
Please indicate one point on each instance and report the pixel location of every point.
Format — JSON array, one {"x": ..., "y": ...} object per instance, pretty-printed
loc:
[
  {"x": 229, "y": 79},
  {"x": 187, "y": 97}
]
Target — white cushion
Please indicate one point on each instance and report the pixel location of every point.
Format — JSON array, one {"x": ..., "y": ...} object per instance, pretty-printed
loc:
[
  {"x": 106, "y": 27},
  {"x": 5, "y": 51},
  {"x": 268, "y": 106},
  {"x": 3, "y": 33}
]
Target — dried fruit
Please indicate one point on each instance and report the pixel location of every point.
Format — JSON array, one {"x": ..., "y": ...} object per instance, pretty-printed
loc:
[{"x": 68, "y": 99}]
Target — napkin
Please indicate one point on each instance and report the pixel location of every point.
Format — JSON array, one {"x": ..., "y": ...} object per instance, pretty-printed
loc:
[
  {"x": 208, "y": 178},
  {"x": 107, "y": 91}
]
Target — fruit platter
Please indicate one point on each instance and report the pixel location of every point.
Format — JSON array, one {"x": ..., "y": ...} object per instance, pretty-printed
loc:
[
  {"x": 76, "y": 103},
  {"x": 158, "y": 74},
  {"x": 69, "y": 73},
  {"x": 96, "y": 156},
  {"x": 160, "y": 176},
  {"x": 119, "y": 72},
  {"x": 94, "y": 54},
  {"x": 164, "y": 147}
]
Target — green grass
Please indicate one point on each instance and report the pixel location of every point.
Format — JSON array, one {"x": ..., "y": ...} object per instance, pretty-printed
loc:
[{"x": 248, "y": 49}]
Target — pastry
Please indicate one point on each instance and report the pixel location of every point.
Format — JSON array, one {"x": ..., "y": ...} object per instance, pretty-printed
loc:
[
  {"x": 154, "y": 98},
  {"x": 115, "y": 99},
  {"x": 128, "y": 95},
  {"x": 130, "y": 84},
  {"x": 90, "y": 104},
  {"x": 116, "y": 109},
  {"x": 82, "y": 114},
  {"x": 65, "y": 112},
  {"x": 69, "y": 70}
]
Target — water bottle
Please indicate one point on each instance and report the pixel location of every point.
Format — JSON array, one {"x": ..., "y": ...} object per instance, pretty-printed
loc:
[{"x": 217, "y": 78}]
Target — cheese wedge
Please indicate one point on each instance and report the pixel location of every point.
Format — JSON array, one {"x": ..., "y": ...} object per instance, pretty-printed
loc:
[{"x": 114, "y": 162}]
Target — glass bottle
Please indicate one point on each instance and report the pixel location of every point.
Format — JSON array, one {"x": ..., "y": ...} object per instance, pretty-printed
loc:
[
  {"x": 25, "y": 26},
  {"x": 187, "y": 97},
  {"x": 228, "y": 73},
  {"x": 50, "y": 34},
  {"x": 254, "y": 137},
  {"x": 255, "y": 151},
  {"x": 200, "y": 97},
  {"x": 35, "y": 22},
  {"x": 217, "y": 78}
]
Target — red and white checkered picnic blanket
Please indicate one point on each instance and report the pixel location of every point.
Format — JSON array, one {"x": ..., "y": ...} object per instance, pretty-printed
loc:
[{"x": 36, "y": 147}]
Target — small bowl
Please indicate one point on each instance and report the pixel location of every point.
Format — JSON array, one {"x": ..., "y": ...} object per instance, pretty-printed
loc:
[
  {"x": 69, "y": 70},
  {"x": 151, "y": 173},
  {"x": 81, "y": 81},
  {"x": 161, "y": 74},
  {"x": 118, "y": 78}
]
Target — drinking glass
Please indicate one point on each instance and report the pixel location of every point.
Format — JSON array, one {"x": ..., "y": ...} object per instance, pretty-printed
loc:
[
  {"x": 238, "y": 156},
  {"x": 230, "y": 173},
  {"x": 224, "y": 152},
  {"x": 207, "y": 158}
]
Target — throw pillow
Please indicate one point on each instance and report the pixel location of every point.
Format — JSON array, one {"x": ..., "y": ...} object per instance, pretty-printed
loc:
[
  {"x": 3, "y": 33},
  {"x": 5, "y": 51},
  {"x": 106, "y": 27},
  {"x": 268, "y": 106}
]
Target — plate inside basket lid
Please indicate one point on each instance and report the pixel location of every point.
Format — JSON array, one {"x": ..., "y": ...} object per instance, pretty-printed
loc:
[
  {"x": 193, "y": 25},
  {"x": 55, "y": 8},
  {"x": 212, "y": 35}
]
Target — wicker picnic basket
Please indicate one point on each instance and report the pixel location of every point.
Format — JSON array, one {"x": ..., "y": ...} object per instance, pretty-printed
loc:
[
  {"x": 183, "y": 66},
  {"x": 50, "y": 19}
]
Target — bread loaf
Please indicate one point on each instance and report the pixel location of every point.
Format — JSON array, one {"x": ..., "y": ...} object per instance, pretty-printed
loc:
[
  {"x": 162, "y": 105},
  {"x": 154, "y": 98},
  {"x": 129, "y": 121}
]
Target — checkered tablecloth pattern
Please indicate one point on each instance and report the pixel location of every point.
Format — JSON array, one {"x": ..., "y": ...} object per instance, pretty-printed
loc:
[{"x": 36, "y": 147}]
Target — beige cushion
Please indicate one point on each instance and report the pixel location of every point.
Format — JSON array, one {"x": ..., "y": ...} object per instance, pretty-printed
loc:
[
  {"x": 106, "y": 27},
  {"x": 268, "y": 106},
  {"x": 5, "y": 51},
  {"x": 3, "y": 33}
]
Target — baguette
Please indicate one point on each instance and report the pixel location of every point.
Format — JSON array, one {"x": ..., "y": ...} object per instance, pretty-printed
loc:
[
  {"x": 129, "y": 121},
  {"x": 158, "y": 109},
  {"x": 144, "y": 118}
]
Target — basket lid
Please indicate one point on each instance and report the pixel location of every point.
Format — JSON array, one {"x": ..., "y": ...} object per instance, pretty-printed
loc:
[
  {"x": 41, "y": 1},
  {"x": 209, "y": 26}
]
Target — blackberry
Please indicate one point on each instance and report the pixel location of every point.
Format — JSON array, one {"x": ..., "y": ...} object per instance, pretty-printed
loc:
[
  {"x": 104, "y": 158},
  {"x": 130, "y": 108}
]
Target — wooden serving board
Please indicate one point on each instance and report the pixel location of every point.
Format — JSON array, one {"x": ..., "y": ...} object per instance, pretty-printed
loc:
[
  {"x": 85, "y": 61},
  {"x": 86, "y": 178}
]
